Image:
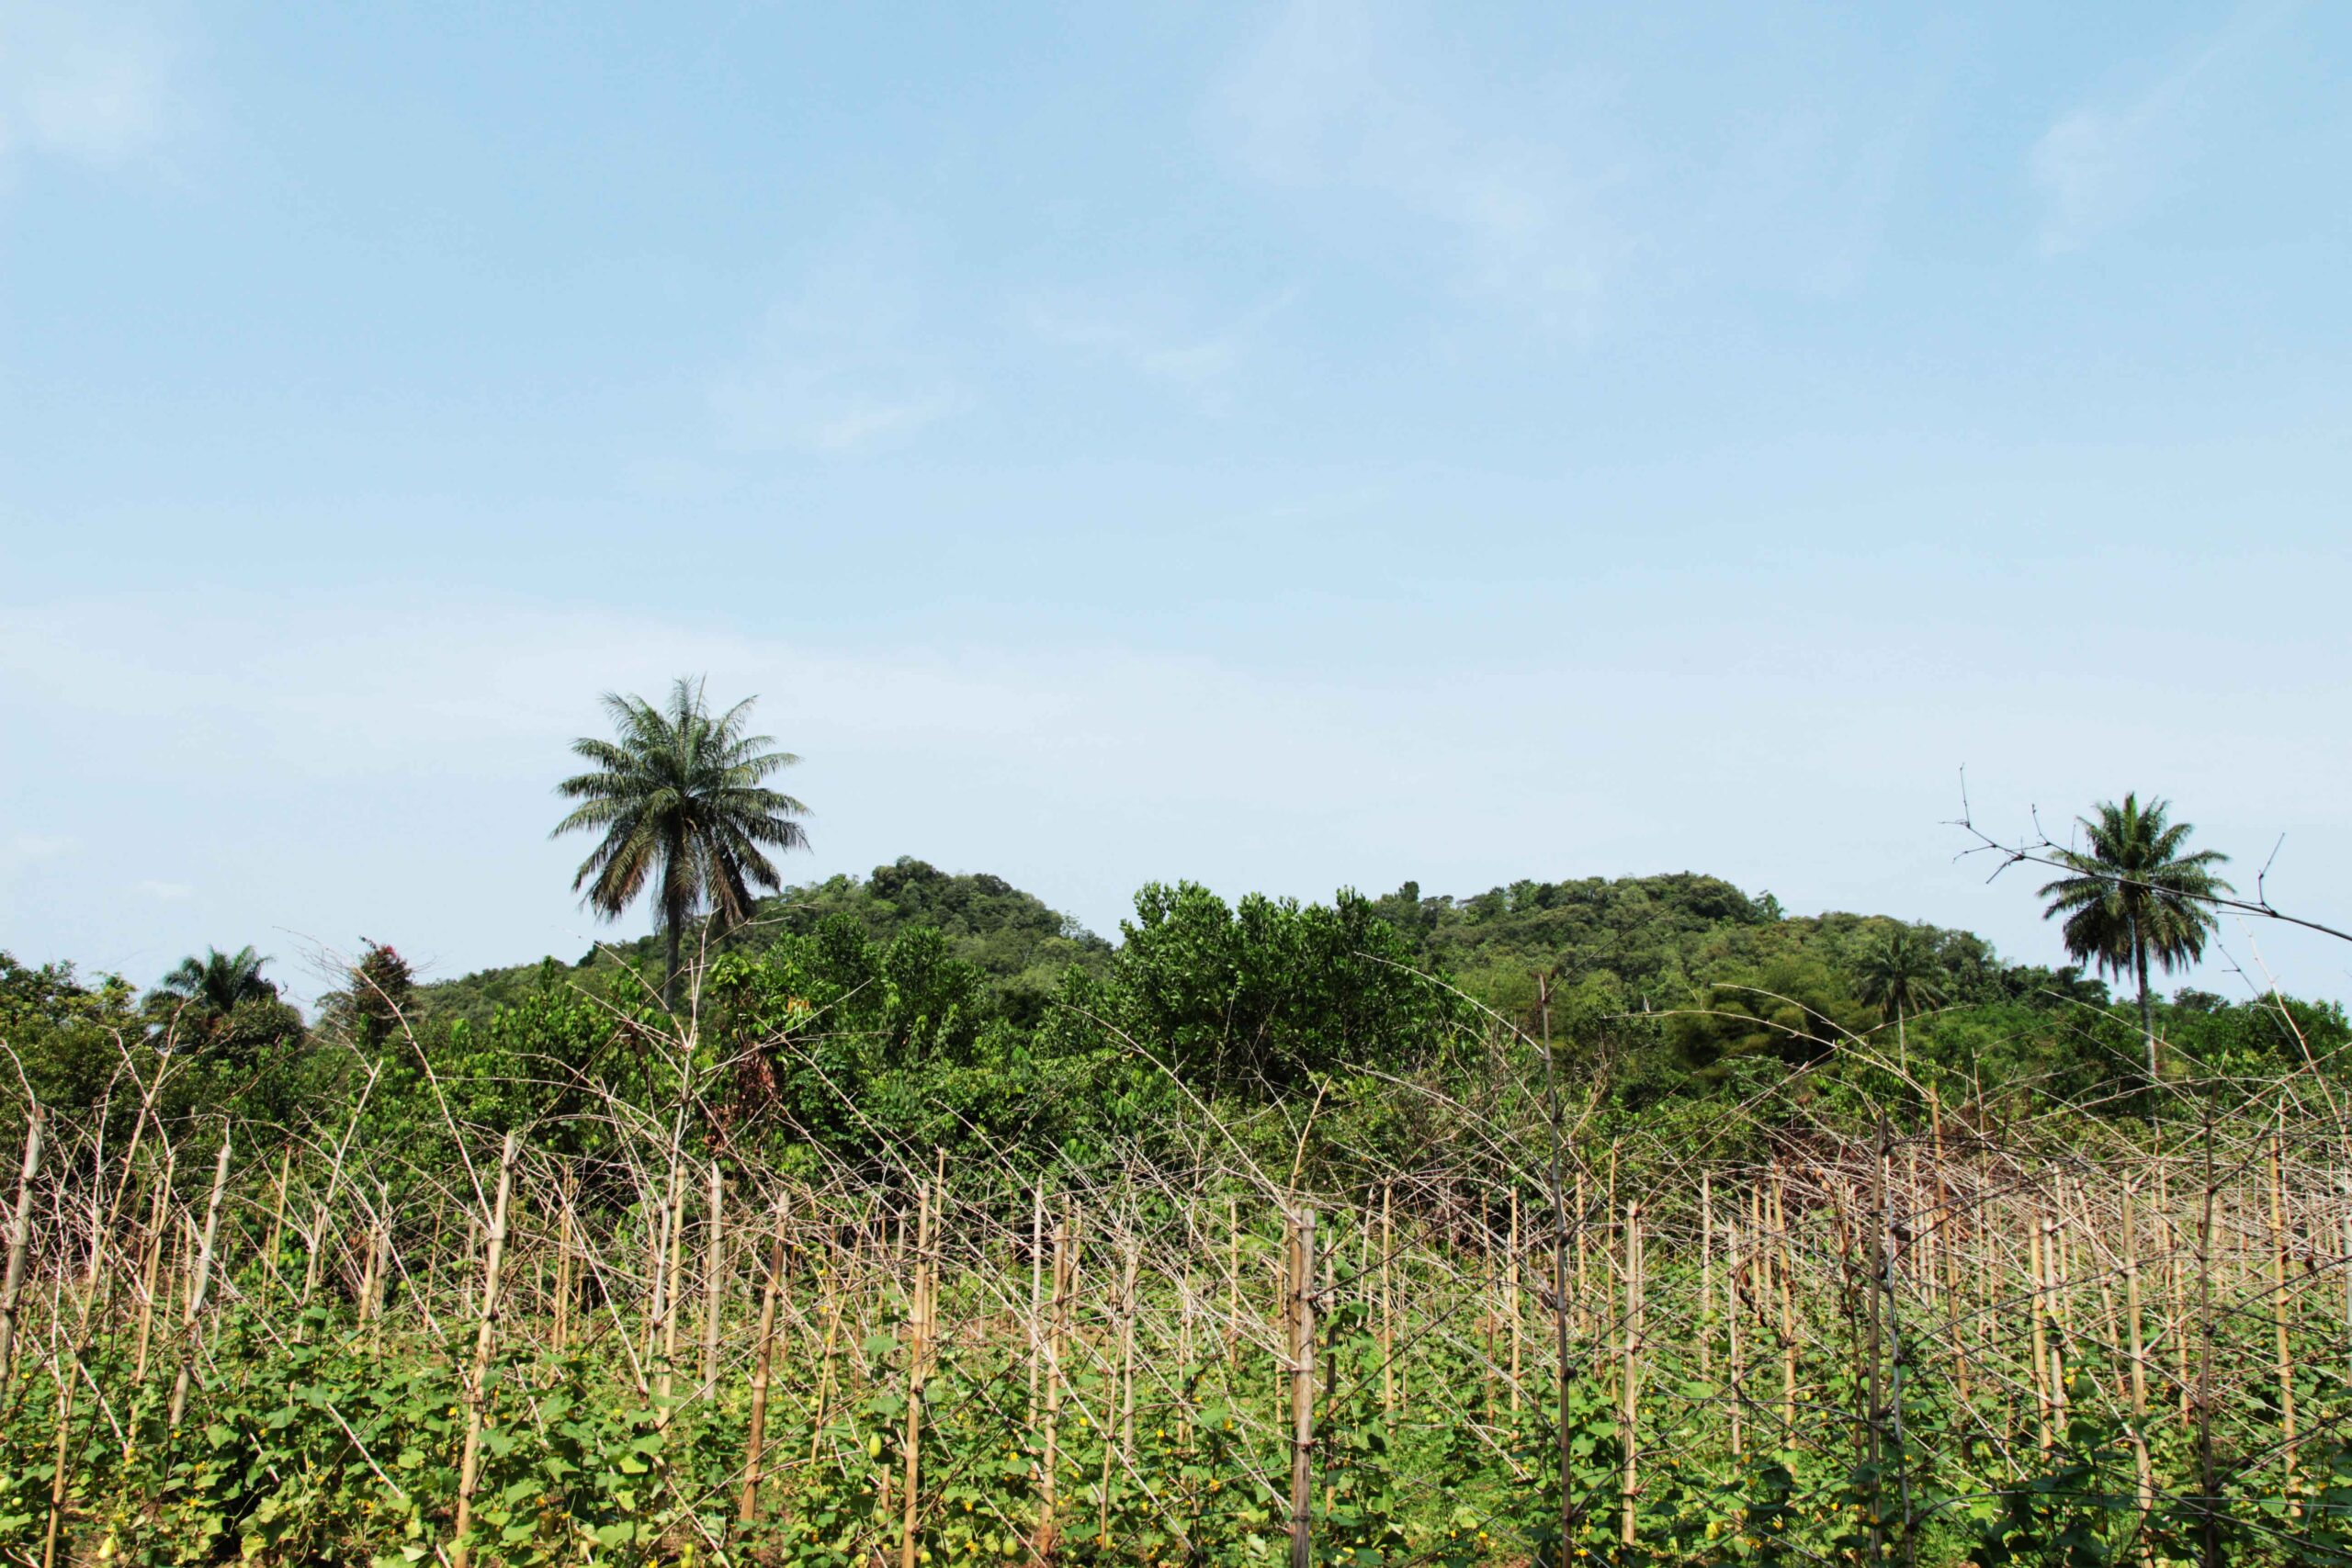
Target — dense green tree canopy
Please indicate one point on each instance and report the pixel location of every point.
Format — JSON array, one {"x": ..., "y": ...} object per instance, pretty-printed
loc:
[{"x": 914, "y": 1008}]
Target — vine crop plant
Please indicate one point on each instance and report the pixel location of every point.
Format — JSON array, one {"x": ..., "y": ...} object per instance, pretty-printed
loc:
[{"x": 1901, "y": 1332}]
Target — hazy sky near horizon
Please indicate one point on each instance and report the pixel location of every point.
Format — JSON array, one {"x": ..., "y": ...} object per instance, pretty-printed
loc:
[{"x": 1283, "y": 446}]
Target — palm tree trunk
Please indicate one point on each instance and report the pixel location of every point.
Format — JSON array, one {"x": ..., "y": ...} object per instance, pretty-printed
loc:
[
  {"x": 2147, "y": 1012},
  {"x": 671, "y": 919}
]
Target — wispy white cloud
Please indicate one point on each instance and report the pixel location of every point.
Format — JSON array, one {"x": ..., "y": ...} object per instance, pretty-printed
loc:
[
  {"x": 1329, "y": 95},
  {"x": 2106, "y": 162},
  {"x": 164, "y": 892},
  {"x": 838, "y": 366},
  {"x": 1157, "y": 339},
  {"x": 85, "y": 82}
]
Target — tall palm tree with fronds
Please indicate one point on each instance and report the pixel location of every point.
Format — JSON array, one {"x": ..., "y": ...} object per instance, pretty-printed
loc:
[
  {"x": 1901, "y": 973},
  {"x": 217, "y": 982},
  {"x": 2135, "y": 897},
  {"x": 678, "y": 795}
]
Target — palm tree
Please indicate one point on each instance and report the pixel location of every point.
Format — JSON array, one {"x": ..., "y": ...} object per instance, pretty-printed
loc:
[
  {"x": 677, "y": 795},
  {"x": 219, "y": 981},
  {"x": 2135, "y": 897},
  {"x": 1901, "y": 973}
]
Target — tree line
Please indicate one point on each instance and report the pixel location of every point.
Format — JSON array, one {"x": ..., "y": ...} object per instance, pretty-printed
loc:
[{"x": 957, "y": 1009}]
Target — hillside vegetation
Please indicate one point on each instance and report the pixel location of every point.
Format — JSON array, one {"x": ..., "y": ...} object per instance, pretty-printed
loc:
[
  {"x": 1630, "y": 1220},
  {"x": 957, "y": 1008}
]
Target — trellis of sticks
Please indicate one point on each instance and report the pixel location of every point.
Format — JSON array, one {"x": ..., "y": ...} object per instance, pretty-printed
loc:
[{"x": 1930, "y": 1308}]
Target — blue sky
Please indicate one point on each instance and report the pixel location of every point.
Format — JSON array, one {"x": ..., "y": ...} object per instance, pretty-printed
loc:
[{"x": 1284, "y": 445}]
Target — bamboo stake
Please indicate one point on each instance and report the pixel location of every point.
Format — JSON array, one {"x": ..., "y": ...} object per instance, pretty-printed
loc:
[
  {"x": 2142, "y": 1463},
  {"x": 2344, "y": 1241},
  {"x": 197, "y": 1285},
  {"x": 1485, "y": 1306},
  {"x": 1629, "y": 1440},
  {"x": 1388, "y": 1301},
  {"x": 1134, "y": 1262},
  {"x": 2036, "y": 1242},
  {"x": 277, "y": 1223},
  {"x": 833, "y": 1300},
  {"x": 1788, "y": 1313},
  {"x": 674, "y": 1281},
  {"x": 20, "y": 1230},
  {"x": 57, "y": 1472},
  {"x": 1036, "y": 1294},
  {"x": 715, "y": 1283},
  {"x": 1302, "y": 1390},
  {"x": 153, "y": 1262},
  {"x": 1732, "y": 1256},
  {"x": 563, "y": 1246},
  {"x": 918, "y": 1350},
  {"x": 755, "y": 1441},
  {"x": 2279, "y": 1311},
  {"x": 1706, "y": 1272},
  {"x": 1047, "y": 1500},
  {"x": 485, "y": 1341},
  {"x": 381, "y": 1268},
  {"x": 1233, "y": 1280},
  {"x": 2061, "y": 1339},
  {"x": 656, "y": 1279},
  {"x": 1584, "y": 1313},
  {"x": 1512, "y": 1297}
]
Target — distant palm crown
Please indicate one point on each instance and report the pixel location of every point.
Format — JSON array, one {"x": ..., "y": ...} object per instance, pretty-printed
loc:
[
  {"x": 1901, "y": 972},
  {"x": 677, "y": 795},
  {"x": 219, "y": 981},
  {"x": 2133, "y": 893}
]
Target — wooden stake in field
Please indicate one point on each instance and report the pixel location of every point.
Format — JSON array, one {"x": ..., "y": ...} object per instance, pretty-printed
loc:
[
  {"x": 20, "y": 1230},
  {"x": 2278, "y": 1310},
  {"x": 1732, "y": 1265},
  {"x": 478, "y": 1379},
  {"x": 1036, "y": 1294},
  {"x": 1233, "y": 1280},
  {"x": 674, "y": 1280},
  {"x": 196, "y": 1287},
  {"x": 1129, "y": 1269},
  {"x": 2036, "y": 1244},
  {"x": 2139, "y": 1354},
  {"x": 833, "y": 1300},
  {"x": 562, "y": 1330},
  {"x": 1706, "y": 1273},
  {"x": 57, "y": 1472},
  {"x": 1048, "y": 1502},
  {"x": 157, "y": 1210},
  {"x": 714, "y": 1297},
  {"x": 755, "y": 1440},
  {"x": 277, "y": 1223},
  {"x": 1629, "y": 1425},
  {"x": 1779, "y": 1217},
  {"x": 918, "y": 1371},
  {"x": 1302, "y": 1390},
  {"x": 1512, "y": 1301},
  {"x": 1388, "y": 1301}
]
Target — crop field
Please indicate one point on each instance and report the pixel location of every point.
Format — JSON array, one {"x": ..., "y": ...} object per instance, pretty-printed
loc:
[{"x": 1924, "y": 1338}]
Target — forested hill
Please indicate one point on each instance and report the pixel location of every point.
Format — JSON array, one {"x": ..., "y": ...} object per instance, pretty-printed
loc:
[
  {"x": 958, "y": 1009},
  {"x": 1021, "y": 945},
  {"x": 1634, "y": 943},
  {"x": 1653, "y": 943}
]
